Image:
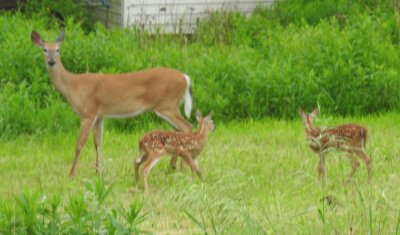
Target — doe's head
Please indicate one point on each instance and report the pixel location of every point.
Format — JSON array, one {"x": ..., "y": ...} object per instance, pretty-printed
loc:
[
  {"x": 206, "y": 123},
  {"x": 308, "y": 118},
  {"x": 50, "y": 50}
]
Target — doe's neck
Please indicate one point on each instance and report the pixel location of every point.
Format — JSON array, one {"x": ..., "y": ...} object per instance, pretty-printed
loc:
[{"x": 59, "y": 76}]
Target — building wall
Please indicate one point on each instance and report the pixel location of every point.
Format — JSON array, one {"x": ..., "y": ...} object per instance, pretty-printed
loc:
[
  {"x": 168, "y": 16},
  {"x": 115, "y": 13},
  {"x": 180, "y": 16},
  {"x": 8, "y": 4}
]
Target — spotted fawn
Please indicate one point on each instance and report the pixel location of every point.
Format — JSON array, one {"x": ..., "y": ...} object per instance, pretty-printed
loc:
[
  {"x": 187, "y": 145},
  {"x": 350, "y": 138}
]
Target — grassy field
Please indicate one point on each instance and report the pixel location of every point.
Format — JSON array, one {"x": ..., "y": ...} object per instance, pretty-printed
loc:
[{"x": 259, "y": 177}]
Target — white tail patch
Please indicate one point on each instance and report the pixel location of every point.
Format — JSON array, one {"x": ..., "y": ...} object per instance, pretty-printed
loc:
[{"x": 188, "y": 97}]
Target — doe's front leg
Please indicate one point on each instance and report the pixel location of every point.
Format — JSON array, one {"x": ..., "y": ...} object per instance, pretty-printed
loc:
[
  {"x": 98, "y": 135},
  {"x": 85, "y": 126}
]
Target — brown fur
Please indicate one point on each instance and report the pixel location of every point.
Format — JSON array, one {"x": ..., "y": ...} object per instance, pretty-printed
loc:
[
  {"x": 350, "y": 138},
  {"x": 186, "y": 145},
  {"x": 95, "y": 96}
]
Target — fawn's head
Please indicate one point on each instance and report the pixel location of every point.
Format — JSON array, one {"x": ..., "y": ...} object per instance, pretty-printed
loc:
[
  {"x": 308, "y": 118},
  {"x": 206, "y": 123},
  {"x": 50, "y": 50}
]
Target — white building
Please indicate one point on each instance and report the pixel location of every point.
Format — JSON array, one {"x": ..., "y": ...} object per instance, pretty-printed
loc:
[{"x": 168, "y": 16}]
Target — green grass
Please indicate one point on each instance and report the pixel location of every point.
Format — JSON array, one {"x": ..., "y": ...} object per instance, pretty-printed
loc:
[{"x": 259, "y": 177}]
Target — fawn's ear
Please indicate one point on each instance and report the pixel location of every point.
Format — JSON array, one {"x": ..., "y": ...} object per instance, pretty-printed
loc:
[
  {"x": 198, "y": 116},
  {"x": 208, "y": 117},
  {"x": 301, "y": 112},
  {"x": 60, "y": 37},
  {"x": 36, "y": 39},
  {"x": 315, "y": 112}
]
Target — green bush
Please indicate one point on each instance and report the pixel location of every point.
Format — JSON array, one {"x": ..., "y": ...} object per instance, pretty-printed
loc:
[
  {"x": 53, "y": 10},
  {"x": 242, "y": 68},
  {"x": 83, "y": 213},
  {"x": 313, "y": 12}
]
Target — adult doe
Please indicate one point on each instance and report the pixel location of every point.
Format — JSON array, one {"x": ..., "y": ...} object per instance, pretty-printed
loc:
[
  {"x": 350, "y": 138},
  {"x": 154, "y": 145},
  {"x": 95, "y": 96}
]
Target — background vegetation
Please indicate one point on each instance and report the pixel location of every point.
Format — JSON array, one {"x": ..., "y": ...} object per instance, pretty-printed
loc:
[{"x": 342, "y": 54}]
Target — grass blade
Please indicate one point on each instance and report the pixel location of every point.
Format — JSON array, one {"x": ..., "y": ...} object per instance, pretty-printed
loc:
[
  {"x": 200, "y": 225},
  {"x": 398, "y": 224}
]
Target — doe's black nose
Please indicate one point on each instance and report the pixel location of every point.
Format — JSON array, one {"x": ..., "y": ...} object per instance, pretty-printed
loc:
[{"x": 51, "y": 62}]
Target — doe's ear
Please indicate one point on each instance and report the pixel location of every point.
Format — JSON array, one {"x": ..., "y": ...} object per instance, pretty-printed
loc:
[
  {"x": 60, "y": 37},
  {"x": 36, "y": 39}
]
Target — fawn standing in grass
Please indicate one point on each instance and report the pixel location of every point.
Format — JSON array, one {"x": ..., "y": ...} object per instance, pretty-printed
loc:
[
  {"x": 348, "y": 138},
  {"x": 184, "y": 144}
]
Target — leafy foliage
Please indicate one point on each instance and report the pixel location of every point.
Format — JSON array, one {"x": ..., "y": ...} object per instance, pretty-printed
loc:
[
  {"x": 344, "y": 57},
  {"x": 57, "y": 11},
  {"x": 84, "y": 213}
]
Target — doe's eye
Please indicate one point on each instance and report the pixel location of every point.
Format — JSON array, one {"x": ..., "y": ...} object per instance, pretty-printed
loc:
[
  {"x": 57, "y": 50},
  {"x": 45, "y": 50}
]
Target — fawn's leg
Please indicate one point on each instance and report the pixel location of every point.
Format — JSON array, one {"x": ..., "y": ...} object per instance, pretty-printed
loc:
[
  {"x": 182, "y": 165},
  {"x": 361, "y": 153},
  {"x": 151, "y": 161},
  {"x": 174, "y": 159},
  {"x": 354, "y": 165},
  {"x": 142, "y": 158},
  {"x": 189, "y": 160},
  {"x": 322, "y": 167},
  {"x": 196, "y": 164},
  {"x": 177, "y": 121}
]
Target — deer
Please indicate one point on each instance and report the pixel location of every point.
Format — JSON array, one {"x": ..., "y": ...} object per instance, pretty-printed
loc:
[
  {"x": 348, "y": 138},
  {"x": 156, "y": 144},
  {"x": 96, "y": 96}
]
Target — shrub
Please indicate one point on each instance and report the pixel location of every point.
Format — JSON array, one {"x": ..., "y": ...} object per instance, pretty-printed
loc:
[
  {"x": 84, "y": 213},
  {"x": 57, "y": 11},
  {"x": 250, "y": 68}
]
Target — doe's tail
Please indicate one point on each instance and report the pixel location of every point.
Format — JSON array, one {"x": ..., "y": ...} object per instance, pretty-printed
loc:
[{"x": 188, "y": 100}]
